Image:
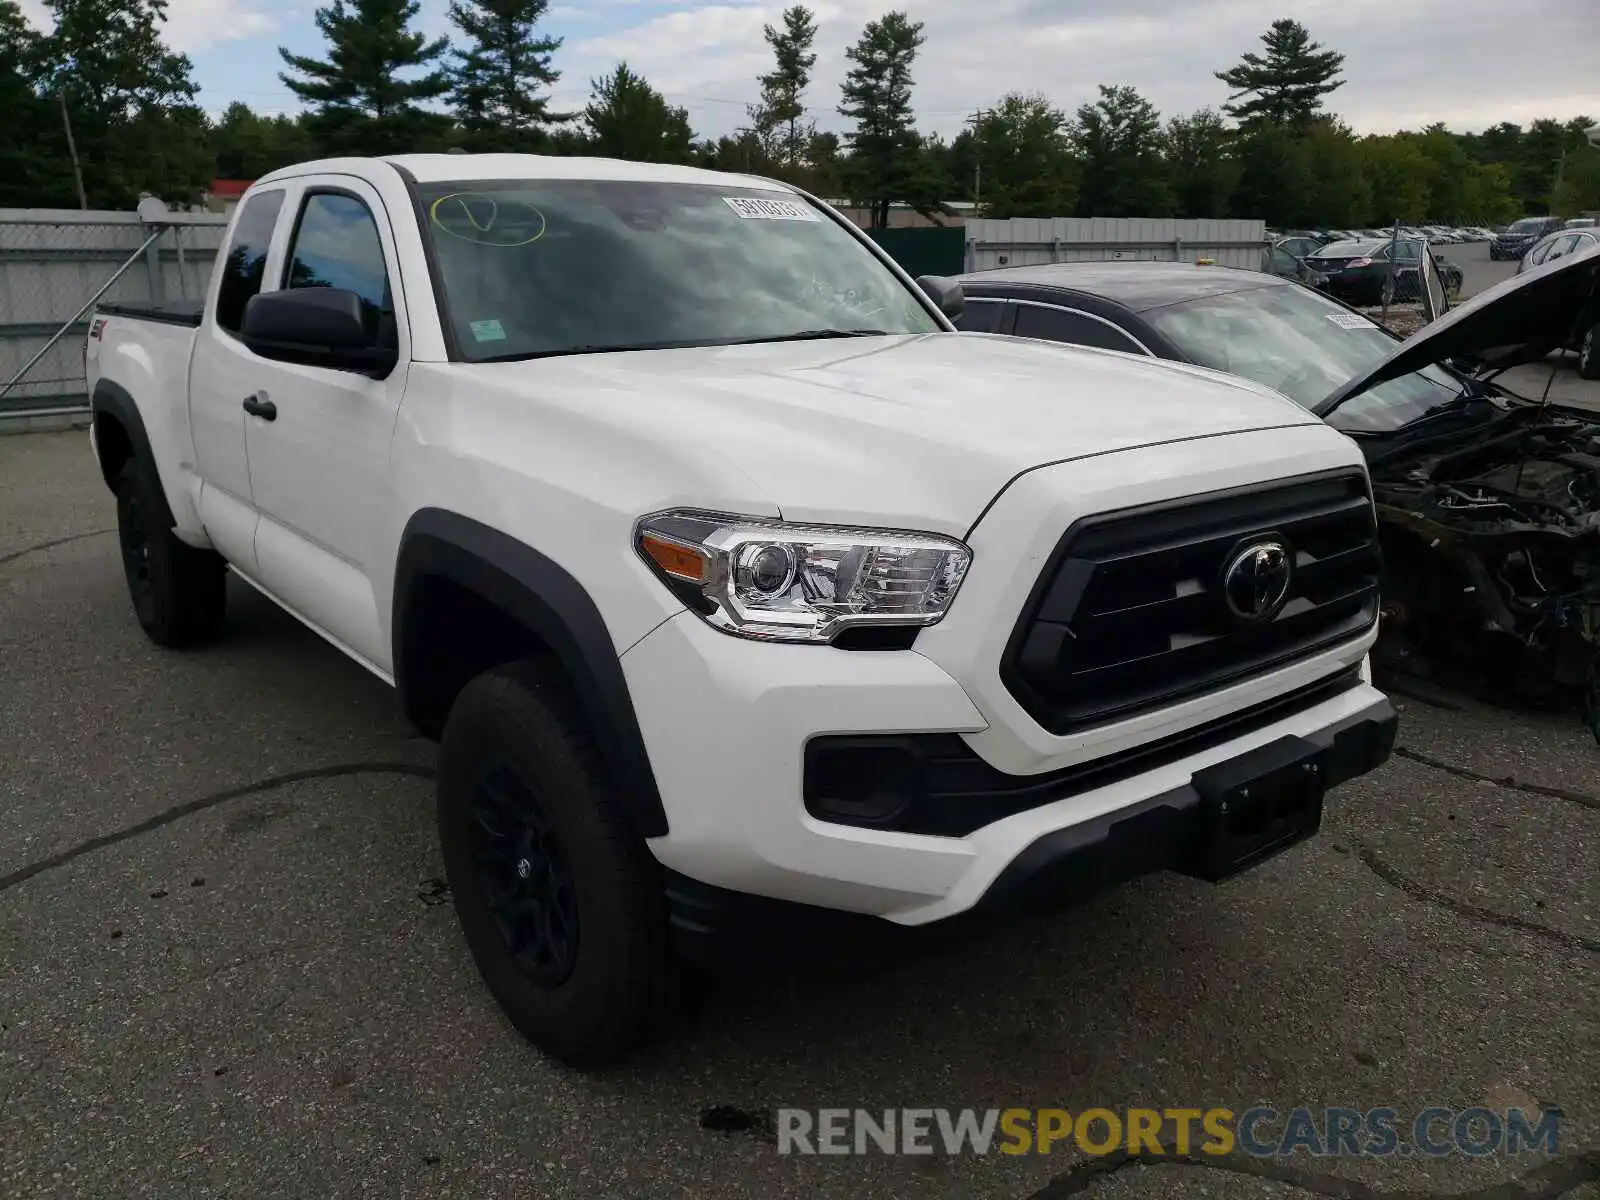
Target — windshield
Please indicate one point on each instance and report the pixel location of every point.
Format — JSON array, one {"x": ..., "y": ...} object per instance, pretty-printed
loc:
[
  {"x": 1304, "y": 345},
  {"x": 539, "y": 267},
  {"x": 1346, "y": 249},
  {"x": 1526, "y": 225}
]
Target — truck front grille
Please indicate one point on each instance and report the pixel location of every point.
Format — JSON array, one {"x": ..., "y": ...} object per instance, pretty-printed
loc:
[{"x": 1139, "y": 609}]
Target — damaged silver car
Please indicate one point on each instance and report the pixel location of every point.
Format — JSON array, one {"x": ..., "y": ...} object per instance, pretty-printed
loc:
[{"x": 1489, "y": 501}]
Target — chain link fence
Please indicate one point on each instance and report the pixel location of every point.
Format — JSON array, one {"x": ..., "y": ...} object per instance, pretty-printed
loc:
[{"x": 56, "y": 265}]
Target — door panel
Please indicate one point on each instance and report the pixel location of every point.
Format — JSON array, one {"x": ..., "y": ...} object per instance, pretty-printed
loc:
[
  {"x": 320, "y": 470},
  {"x": 219, "y": 374}
]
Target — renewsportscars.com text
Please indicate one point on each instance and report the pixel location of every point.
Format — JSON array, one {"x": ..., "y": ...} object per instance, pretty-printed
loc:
[{"x": 1259, "y": 1132}]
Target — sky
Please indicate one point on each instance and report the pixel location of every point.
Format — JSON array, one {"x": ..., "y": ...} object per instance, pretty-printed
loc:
[{"x": 1468, "y": 63}]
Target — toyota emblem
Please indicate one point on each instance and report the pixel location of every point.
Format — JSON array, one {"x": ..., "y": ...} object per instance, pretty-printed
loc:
[{"x": 1255, "y": 583}]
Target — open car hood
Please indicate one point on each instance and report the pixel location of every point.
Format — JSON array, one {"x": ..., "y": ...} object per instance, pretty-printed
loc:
[{"x": 1519, "y": 320}]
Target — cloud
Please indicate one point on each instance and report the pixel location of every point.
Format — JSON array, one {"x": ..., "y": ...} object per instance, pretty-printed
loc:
[
  {"x": 1466, "y": 62},
  {"x": 191, "y": 24}
]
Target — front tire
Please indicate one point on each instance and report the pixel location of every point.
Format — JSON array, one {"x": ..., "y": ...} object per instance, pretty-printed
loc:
[
  {"x": 1589, "y": 354},
  {"x": 562, "y": 905},
  {"x": 179, "y": 593}
]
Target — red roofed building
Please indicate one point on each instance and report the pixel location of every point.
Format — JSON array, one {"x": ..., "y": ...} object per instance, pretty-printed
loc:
[{"x": 222, "y": 195}]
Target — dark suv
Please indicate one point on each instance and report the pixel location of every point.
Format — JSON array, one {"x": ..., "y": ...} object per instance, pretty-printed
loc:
[{"x": 1513, "y": 241}]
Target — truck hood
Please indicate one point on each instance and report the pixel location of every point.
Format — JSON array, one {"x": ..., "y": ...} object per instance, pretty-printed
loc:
[
  {"x": 1519, "y": 320},
  {"x": 915, "y": 431}
]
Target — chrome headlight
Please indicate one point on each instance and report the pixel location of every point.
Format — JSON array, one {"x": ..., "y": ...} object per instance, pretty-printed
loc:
[{"x": 782, "y": 582}]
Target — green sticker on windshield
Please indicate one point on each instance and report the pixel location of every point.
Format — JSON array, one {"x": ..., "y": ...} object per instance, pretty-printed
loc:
[{"x": 488, "y": 331}]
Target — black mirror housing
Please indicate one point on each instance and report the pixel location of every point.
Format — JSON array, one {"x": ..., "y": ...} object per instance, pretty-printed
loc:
[
  {"x": 325, "y": 327},
  {"x": 944, "y": 292}
]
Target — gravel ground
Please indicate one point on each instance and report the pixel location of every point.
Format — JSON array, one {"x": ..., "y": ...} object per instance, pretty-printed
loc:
[{"x": 227, "y": 966}]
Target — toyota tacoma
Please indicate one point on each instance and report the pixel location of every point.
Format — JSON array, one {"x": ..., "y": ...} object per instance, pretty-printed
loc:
[{"x": 744, "y": 595}]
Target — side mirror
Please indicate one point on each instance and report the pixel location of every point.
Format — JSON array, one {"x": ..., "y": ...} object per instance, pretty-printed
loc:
[
  {"x": 945, "y": 292},
  {"x": 320, "y": 327}
]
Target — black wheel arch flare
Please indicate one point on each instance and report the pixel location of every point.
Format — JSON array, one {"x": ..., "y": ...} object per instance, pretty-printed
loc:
[{"x": 549, "y": 603}]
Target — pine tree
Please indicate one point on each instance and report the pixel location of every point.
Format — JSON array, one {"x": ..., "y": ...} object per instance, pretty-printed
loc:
[
  {"x": 627, "y": 118},
  {"x": 362, "y": 103},
  {"x": 886, "y": 160},
  {"x": 1286, "y": 85},
  {"x": 778, "y": 118},
  {"x": 497, "y": 79}
]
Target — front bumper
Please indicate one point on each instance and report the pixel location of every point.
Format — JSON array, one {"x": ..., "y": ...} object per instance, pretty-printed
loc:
[
  {"x": 1163, "y": 832},
  {"x": 726, "y": 723}
]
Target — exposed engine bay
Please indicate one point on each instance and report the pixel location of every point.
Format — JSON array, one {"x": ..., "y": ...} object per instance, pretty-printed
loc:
[{"x": 1491, "y": 539}]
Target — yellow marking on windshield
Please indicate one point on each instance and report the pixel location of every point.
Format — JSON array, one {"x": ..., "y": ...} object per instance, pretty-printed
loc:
[{"x": 484, "y": 231}]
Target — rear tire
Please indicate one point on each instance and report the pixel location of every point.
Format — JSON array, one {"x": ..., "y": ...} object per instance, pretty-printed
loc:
[
  {"x": 1589, "y": 354},
  {"x": 179, "y": 593},
  {"x": 562, "y": 904}
]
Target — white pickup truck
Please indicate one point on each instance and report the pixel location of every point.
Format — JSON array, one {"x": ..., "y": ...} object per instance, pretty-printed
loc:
[{"x": 753, "y": 607}]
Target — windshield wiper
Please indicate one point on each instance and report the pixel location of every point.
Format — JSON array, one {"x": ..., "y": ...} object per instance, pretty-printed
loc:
[
  {"x": 812, "y": 335},
  {"x": 805, "y": 335}
]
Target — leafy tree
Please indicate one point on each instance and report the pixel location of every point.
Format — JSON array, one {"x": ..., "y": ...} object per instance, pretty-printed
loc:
[
  {"x": 744, "y": 152},
  {"x": 1020, "y": 147},
  {"x": 1118, "y": 142},
  {"x": 361, "y": 101},
  {"x": 1578, "y": 189},
  {"x": 120, "y": 81},
  {"x": 1397, "y": 174},
  {"x": 1274, "y": 176},
  {"x": 886, "y": 162},
  {"x": 627, "y": 118},
  {"x": 497, "y": 79},
  {"x": 1340, "y": 194},
  {"x": 33, "y": 167},
  {"x": 778, "y": 117},
  {"x": 246, "y": 145},
  {"x": 1286, "y": 85},
  {"x": 1497, "y": 203},
  {"x": 1200, "y": 165}
]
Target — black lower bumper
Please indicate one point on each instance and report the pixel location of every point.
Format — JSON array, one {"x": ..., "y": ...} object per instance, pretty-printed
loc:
[{"x": 1170, "y": 831}]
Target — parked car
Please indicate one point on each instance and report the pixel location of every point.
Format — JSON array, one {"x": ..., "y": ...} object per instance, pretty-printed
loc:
[
  {"x": 1556, "y": 245},
  {"x": 1301, "y": 246},
  {"x": 1580, "y": 222},
  {"x": 1279, "y": 261},
  {"x": 1519, "y": 236},
  {"x": 1489, "y": 505},
  {"x": 1357, "y": 271},
  {"x": 1550, "y": 249},
  {"x": 651, "y": 490}
]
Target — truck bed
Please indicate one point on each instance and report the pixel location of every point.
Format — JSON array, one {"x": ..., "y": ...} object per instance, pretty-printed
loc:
[{"x": 174, "y": 312}]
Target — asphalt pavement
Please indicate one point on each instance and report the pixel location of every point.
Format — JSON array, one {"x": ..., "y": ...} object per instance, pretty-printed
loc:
[{"x": 228, "y": 966}]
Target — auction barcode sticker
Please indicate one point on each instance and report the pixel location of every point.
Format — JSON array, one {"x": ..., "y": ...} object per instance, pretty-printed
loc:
[
  {"x": 759, "y": 208},
  {"x": 1350, "y": 321}
]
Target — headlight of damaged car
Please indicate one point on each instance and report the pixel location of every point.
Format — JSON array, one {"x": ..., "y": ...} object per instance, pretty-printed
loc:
[{"x": 777, "y": 581}]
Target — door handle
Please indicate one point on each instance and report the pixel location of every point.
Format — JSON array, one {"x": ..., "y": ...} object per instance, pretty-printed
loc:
[{"x": 260, "y": 406}]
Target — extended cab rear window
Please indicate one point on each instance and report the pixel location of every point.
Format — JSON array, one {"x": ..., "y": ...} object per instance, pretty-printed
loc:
[
  {"x": 531, "y": 268},
  {"x": 245, "y": 263}
]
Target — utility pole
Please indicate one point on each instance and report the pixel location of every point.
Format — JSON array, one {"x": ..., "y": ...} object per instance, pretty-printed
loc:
[
  {"x": 976, "y": 121},
  {"x": 72, "y": 149}
]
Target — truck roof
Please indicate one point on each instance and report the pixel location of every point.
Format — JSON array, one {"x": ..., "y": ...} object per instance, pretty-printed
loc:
[{"x": 437, "y": 168}]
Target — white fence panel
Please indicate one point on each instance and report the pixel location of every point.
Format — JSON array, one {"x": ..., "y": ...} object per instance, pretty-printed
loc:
[
  {"x": 52, "y": 262},
  {"x": 1033, "y": 241}
]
